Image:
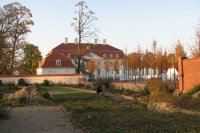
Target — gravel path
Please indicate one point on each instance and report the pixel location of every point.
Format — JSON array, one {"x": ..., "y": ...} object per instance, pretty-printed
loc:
[{"x": 37, "y": 119}]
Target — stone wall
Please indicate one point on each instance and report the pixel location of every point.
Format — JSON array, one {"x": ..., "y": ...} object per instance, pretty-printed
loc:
[
  {"x": 189, "y": 73},
  {"x": 53, "y": 79},
  {"x": 136, "y": 87}
]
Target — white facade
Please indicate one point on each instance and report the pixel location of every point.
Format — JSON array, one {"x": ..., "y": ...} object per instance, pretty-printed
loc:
[
  {"x": 171, "y": 74},
  {"x": 57, "y": 70},
  {"x": 120, "y": 74}
]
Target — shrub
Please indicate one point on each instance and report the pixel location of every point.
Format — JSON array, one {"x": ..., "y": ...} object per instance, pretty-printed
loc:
[
  {"x": 1, "y": 96},
  {"x": 145, "y": 92},
  {"x": 36, "y": 85},
  {"x": 112, "y": 89},
  {"x": 80, "y": 85},
  {"x": 46, "y": 95},
  {"x": 157, "y": 88},
  {"x": 45, "y": 82},
  {"x": 187, "y": 102},
  {"x": 194, "y": 90},
  {"x": 102, "y": 81},
  {"x": 126, "y": 92},
  {"x": 21, "y": 100},
  {"x": 21, "y": 82},
  {"x": 1, "y": 84}
]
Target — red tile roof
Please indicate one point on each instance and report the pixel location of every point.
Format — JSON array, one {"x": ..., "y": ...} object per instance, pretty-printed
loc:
[
  {"x": 98, "y": 49},
  {"x": 50, "y": 60}
]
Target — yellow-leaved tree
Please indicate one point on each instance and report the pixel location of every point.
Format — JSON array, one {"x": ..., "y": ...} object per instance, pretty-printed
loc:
[
  {"x": 91, "y": 68},
  {"x": 107, "y": 67}
]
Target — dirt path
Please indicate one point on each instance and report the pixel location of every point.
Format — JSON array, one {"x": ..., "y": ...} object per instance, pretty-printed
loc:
[{"x": 37, "y": 119}]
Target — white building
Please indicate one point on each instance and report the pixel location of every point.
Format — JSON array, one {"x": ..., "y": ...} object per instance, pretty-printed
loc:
[
  {"x": 63, "y": 60},
  {"x": 172, "y": 74},
  {"x": 55, "y": 63}
]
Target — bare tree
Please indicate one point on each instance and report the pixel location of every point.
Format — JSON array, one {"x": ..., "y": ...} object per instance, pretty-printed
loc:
[
  {"x": 83, "y": 25},
  {"x": 195, "y": 48}
]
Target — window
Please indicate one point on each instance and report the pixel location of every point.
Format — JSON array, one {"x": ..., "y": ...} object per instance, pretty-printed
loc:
[
  {"x": 88, "y": 47},
  {"x": 111, "y": 56},
  {"x": 99, "y": 71},
  {"x": 117, "y": 55},
  {"x": 69, "y": 55},
  {"x": 104, "y": 55},
  {"x": 58, "y": 62}
]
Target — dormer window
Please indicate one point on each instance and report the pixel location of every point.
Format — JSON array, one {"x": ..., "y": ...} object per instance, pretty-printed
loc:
[
  {"x": 111, "y": 56},
  {"x": 117, "y": 55},
  {"x": 88, "y": 47},
  {"x": 104, "y": 55},
  {"x": 69, "y": 55},
  {"x": 58, "y": 62}
]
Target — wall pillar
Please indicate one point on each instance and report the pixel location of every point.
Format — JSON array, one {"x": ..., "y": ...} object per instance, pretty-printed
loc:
[{"x": 181, "y": 73}]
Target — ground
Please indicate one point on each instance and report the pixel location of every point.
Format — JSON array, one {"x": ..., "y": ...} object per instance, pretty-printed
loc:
[
  {"x": 37, "y": 119},
  {"x": 95, "y": 113}
]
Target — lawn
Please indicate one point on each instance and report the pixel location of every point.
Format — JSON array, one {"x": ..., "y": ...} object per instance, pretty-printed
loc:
[
  {"x": 56, "y": 89},
  {"x": 97, "y": 114}
]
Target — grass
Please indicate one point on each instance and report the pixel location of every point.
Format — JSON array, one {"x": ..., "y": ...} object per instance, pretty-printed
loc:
[
  {"x": 56, "y": 88},
  {"x": 97, "y": 114}
]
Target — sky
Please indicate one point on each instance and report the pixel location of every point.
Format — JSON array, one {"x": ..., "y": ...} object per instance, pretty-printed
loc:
[{"x": 124, "y": 23}]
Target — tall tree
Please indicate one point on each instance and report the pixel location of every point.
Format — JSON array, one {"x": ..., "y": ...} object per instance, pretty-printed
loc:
[
  {"x": 115, "y": 66},
  {"x": 125, "y": 65},
  {"x": 195, "y": 48},
  {"x": 32, "y": 56},
  {"x": 15, "y": 22},
  {"x": 146, "y": 63},
  {"x": 179, "y": 50},
  {"x": 133, "y": 64},
  {"x": 91, "y": 68},
  {"x": 154, "y": 45},
  {"x": 107, "y": 67},
  {"x": 83, "y": 25}
]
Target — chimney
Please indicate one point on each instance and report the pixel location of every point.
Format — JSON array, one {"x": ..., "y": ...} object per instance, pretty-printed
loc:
[
  {"x": 66, "y": 40},
  {"x": 95, "y": 41},
  {"x": 76, "y": 40},
  {"x": 104, "y": 41}
]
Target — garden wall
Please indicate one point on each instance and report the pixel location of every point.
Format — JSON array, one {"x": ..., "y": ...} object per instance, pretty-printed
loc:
[
  {"x": 189, "y": 73},
  {"x": 136, "y": 87},
  {"x": 53, "y": 79}
]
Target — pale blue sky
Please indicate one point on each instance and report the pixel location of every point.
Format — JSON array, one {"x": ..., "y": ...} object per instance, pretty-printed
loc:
[{"x": 124, "y": 23}]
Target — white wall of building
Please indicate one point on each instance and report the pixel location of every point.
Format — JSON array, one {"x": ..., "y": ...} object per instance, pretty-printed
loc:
[
  {"x": 171, "y": 74},
  {"x": 43, "y": 71}
]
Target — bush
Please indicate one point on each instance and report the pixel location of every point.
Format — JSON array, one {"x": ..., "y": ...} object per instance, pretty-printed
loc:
[
  {"x": 126, "y": 92},
  {"x": 157, "y": 88},
  {"x": 187, "y": 102},
  {"x": 45, "y": 82},
  {"x": 1, "y": 84},
  {"x": 102, "y": 81},
  {"x": 194, "y": 90},
  {"x": 145, "y": 92},
  {"x": 1, "y": 96},
  {"x": 21, "y": 100},
  {"x": 36, "y": 85},
  {"x": 46, "y": 95},
  {"x": 21, "y": 82},
  {"x": 80, "y": 85}
]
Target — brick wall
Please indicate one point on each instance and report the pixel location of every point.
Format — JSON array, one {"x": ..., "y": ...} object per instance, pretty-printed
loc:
[
  {"x": 53, "y": 79},
  {"x": 189, "y": 73}
]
